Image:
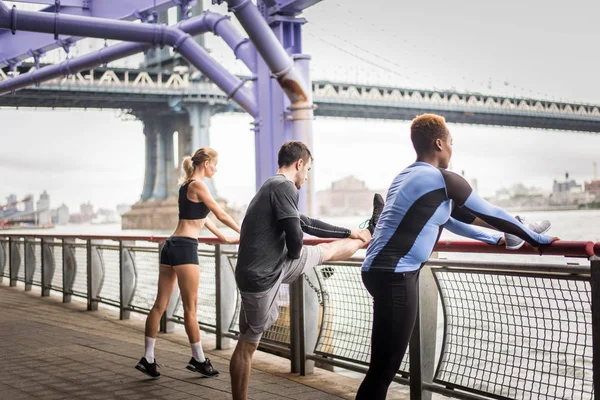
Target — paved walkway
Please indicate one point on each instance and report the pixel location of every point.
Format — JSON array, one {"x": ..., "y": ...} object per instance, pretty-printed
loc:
[{"x": 50, "y": 350}]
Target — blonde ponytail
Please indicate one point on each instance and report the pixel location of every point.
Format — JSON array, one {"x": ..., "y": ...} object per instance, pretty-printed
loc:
[
  {"x": 187, "y": 170},
  {"x": 189, "y": 164}
]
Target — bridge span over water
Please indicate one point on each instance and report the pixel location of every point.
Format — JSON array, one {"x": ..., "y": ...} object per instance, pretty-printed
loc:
[{"x": 169, "y": 93}]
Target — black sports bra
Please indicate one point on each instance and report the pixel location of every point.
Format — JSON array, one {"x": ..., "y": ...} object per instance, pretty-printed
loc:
[{"x": 190, "y": 209}]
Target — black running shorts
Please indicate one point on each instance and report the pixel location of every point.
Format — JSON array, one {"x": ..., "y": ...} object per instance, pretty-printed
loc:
[{"x": 179, "y": 250}]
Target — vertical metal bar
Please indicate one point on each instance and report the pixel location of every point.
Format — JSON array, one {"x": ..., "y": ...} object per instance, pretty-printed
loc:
[
  {"x": 27, "y": 284},
  {"x": 123, "y": 312},
  {"x": 45, "y": 288},
  {"x": 11, "y": 274},
  {"x": 92, "y": 303},
  {"x": 66, "y": 295},
  {"x": 595, "y": 285},
  {"x": 295, "y": 325},
  {"x": 219, "y": 316},
  {"x": 301, "y": 326},
  {"x": 415, "y": 355}
]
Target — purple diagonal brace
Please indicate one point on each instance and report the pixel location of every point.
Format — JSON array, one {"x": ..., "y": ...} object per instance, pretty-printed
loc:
[
  {"x": 271, "y": 50},
  {"x": 132, "y": 32}
]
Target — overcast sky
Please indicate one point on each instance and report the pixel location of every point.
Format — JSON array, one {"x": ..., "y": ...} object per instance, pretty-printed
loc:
[{"x": 535, "y": 49}]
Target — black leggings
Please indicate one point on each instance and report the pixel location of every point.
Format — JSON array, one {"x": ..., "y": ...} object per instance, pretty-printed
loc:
[{"x": 394, "y": 314}]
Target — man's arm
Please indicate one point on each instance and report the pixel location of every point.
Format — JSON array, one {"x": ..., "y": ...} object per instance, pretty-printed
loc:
[
  {"x": 462, "y": 215},
  {"x": 322, "y": 229},
  {"x": 462, "y": 194},
  {"x": 284, "y": 202},
  {"x": 462, "y": 229},
  {"x": 293, "y": 236}
]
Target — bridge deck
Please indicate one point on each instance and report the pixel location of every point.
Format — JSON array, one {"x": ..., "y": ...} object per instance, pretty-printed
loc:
[{"x": 50, "y": 350}]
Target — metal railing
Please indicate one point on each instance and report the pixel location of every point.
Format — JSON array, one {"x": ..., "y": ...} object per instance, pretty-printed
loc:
[{"x": 486, "y": 329}]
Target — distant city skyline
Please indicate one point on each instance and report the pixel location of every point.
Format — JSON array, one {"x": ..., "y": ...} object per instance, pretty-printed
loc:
[{"x": 80, "y": 156}]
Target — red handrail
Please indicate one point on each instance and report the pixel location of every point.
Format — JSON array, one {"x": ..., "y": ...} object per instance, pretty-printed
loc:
[{"x": 559, "y": 248}]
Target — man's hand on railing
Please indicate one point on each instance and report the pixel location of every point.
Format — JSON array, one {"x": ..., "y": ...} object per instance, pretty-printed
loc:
[{"x": 362, "y": 234}]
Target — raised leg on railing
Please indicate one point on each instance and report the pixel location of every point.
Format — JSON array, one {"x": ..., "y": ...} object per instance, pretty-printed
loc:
[{"x": 595, "y": 285}]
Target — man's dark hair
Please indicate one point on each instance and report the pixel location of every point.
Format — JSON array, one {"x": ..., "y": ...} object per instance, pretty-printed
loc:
[
  {"x": 292, "y": 151},
  {"x": 425, "y": 130}
]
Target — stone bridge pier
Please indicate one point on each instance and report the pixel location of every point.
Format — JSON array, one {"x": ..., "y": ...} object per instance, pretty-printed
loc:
[{"x": 157, "y": 207}]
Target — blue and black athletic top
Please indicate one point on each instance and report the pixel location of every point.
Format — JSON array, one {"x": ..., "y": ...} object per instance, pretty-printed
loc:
[{"x": 421, "y": 201}]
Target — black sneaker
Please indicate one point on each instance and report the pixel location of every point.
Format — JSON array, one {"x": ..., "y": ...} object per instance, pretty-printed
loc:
[
  {"x": 205, "y": 368},
  {"x": 147, "y": 368},
  {"x": 378, "y": 204}
]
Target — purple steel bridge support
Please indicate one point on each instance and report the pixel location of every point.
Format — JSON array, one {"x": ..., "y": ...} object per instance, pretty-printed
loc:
[{"x": 282, "y": 111}]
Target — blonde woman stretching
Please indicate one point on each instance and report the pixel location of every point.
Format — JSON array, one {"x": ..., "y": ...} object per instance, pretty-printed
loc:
[{"x": 179, "y": 259}]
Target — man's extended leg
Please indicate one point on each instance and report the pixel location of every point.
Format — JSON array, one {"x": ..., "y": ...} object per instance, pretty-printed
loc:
[
  {"x": 240, "y": 367},
  {"x": 342, "y": 249}
]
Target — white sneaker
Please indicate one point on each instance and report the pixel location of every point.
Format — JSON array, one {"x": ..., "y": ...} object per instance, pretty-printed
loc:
[{"x": 514, "y": 242}]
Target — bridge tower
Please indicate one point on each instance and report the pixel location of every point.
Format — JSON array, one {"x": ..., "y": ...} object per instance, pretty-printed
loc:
[{"x": 157, "y": 207}]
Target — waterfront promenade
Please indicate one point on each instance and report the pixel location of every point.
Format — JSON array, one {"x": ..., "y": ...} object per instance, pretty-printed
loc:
[{"x": 51, "y": 350}]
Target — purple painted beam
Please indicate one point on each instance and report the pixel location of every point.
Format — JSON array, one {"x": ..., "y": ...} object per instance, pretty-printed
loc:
[
  {"x": 289, "y": 6},
  {"x": 207, "y": 22},
  {"x": 16, "y": 48},
  {"x": 63, "y": 3},
  {"x": 129, "y": 31},
  {"x": 271, "y": 50}
]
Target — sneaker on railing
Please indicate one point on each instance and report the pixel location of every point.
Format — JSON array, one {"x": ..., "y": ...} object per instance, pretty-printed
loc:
[
  {"x": 514, "y": 242},
  {"x": 378, "y": 204},
  {"x": 148, "y": 368},
  {"x": 203, "y": 368}
]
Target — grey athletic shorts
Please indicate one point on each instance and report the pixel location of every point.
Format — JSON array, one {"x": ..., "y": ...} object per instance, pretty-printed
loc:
[{"x": 260, "y": 310}]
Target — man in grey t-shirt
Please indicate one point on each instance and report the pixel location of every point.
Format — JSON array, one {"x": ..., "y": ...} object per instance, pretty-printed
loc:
[{"x": 271, "y": 252}]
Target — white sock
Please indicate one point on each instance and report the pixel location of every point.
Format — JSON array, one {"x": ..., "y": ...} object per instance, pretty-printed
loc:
[
  {"x": 149, "y": 349},
  {"x": 197, "y": 352}
]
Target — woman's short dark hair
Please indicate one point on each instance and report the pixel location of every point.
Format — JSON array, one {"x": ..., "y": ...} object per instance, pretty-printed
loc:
[
  {"x": 425, "y": 130},
  {"x": 292, "y": 151}
]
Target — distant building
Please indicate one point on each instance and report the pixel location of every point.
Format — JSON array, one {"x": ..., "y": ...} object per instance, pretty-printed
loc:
[
  {"x": 86, "y": 214},
  {"x": 569, "y": 192},
  {"x": 43, "y": 209},
  {"x": 62, "y": 215},
  {"x": 11, "y": 204},
  {"x": 593, "y": 187},
  {"x": 347, "y": 196},
  {"x": 28, "y": 203},
  {"x": 43, "y": 204}
]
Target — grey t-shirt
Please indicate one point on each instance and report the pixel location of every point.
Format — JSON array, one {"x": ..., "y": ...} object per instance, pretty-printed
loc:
[{"x": 262, "y": 242}]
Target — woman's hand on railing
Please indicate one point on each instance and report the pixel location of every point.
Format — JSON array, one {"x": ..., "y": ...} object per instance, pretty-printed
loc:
[
  {"x": 231, "y": 240},
  {"x": 540, "y": 248}
]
